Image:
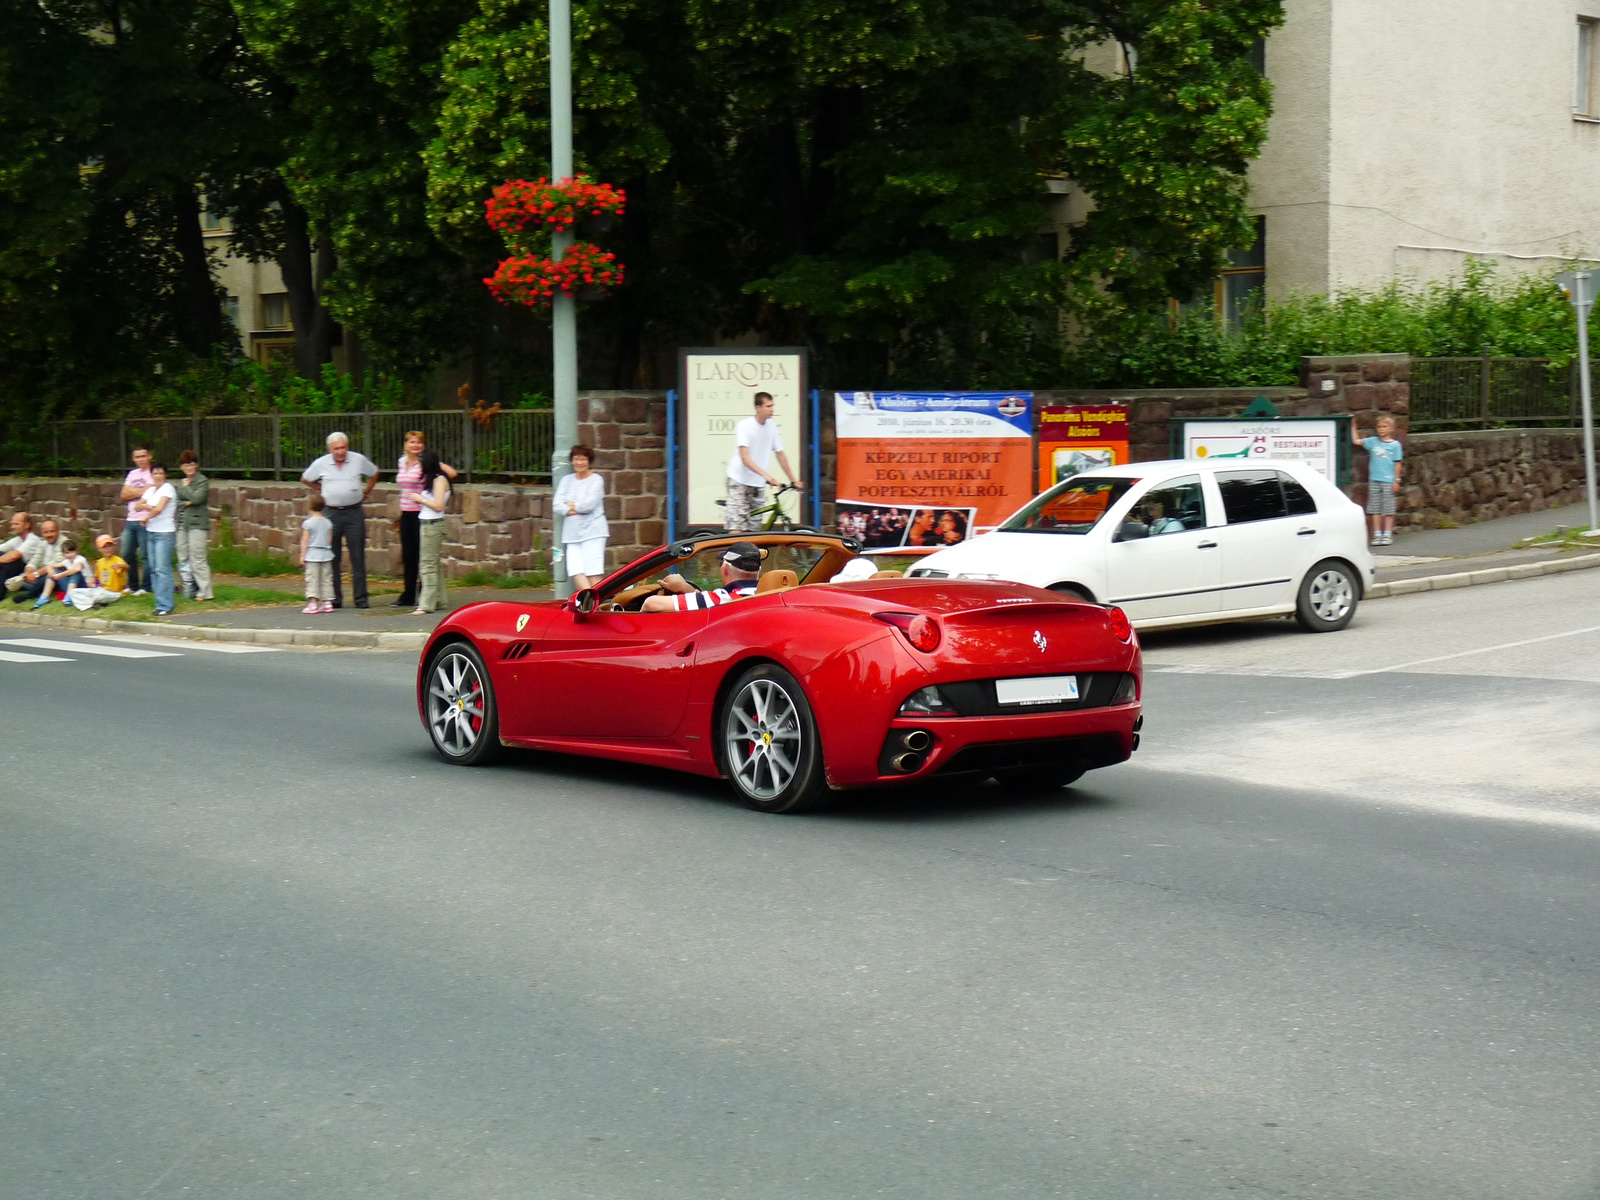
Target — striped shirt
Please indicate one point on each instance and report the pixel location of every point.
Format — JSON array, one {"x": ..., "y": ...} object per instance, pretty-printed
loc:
[
  {"x": 409, "y": 477},
  {"x": 737, "y": 590}
]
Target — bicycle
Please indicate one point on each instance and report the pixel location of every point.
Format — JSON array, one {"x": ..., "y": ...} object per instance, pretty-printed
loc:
[{"x": 773, "y": 511}]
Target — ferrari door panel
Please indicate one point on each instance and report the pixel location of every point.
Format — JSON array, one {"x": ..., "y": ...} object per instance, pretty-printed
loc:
[{"x": 615, "y": 674}]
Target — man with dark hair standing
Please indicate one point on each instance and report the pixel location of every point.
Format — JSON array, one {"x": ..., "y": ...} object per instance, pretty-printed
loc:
[
  {"x": 758, "y": 440},
  {"x": 138, "y": 481}
]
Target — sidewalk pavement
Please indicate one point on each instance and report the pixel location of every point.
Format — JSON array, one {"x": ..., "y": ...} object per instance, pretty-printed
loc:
[{"x": 1427, "y": 560}]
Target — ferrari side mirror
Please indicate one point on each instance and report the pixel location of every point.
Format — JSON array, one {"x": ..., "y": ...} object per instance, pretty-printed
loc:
[{"x": 585, "y": 602}]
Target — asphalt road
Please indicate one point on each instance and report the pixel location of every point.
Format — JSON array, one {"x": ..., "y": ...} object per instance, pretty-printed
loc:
[{"x": 1333, "y": 934}]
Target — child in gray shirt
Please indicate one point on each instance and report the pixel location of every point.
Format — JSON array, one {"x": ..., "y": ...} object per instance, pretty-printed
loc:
[{"x": 316, "y": 553}]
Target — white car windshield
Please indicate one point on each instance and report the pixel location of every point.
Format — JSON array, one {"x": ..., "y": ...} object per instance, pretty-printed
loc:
[{"x": 1072, "y": 506}]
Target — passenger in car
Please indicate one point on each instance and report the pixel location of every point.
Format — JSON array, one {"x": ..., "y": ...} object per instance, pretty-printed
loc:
[{"x": 741, "y": 565}]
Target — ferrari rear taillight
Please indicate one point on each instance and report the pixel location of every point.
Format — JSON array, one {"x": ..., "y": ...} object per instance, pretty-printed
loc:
[
  {"x": 921, "y": 631},
  {"x": 1120, "y": 625}
]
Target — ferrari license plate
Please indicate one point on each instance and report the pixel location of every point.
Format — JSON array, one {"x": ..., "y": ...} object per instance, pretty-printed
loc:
[{"x": 1046, "y": 689}]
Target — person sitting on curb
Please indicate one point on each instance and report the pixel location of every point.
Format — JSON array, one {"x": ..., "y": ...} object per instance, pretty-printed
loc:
[
  {"x": 71, "y": 572},
  {"x": 31, "y": 582},
  {"x": 741, "y": 564},
  {"x": 20, "y": 553},
  {"x": 109, "y": 581}
]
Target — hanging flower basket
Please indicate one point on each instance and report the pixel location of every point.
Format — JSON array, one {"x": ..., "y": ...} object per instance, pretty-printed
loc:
[
  {"x": 521, "y": 207},
  {"x": 534, "y": 280}
]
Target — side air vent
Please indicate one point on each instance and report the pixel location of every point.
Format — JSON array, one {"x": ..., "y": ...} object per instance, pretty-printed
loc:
[{"x": 517, "y": 650}]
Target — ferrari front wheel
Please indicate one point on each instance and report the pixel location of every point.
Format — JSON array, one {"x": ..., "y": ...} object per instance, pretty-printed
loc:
[
  {"x": 770, "y": 749},
  {"x": 458, "y": 706}
]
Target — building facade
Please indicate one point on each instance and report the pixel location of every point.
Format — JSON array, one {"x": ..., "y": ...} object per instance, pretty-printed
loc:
[{"x": 1410, "y": 135}]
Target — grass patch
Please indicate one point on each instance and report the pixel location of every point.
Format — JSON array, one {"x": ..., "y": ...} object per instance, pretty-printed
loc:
[
  {"x": 1564, "y": 538},
  {"x": 480, "y": 577},
  {"x": 258, "y": 564},
  {"x": 143, "y": 608}
]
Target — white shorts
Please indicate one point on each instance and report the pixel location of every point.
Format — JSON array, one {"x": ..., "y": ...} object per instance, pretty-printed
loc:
[{"x": 587, "y": 557}]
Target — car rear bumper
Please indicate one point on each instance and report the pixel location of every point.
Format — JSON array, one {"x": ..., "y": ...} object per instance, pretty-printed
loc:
[{"x": 1090, "y": 738}]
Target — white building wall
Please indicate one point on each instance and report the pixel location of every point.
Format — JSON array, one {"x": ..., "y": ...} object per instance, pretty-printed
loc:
[{"x": 1449, "y": 132}]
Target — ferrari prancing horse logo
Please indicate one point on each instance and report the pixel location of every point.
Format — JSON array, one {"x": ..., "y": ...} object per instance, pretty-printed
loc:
[
  {"x": 522, "y": 622},
  {"x": 1039, "y": 640}
]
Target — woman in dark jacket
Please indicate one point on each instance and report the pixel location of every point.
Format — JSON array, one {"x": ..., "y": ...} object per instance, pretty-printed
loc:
[{"x": 194, "y": 528}]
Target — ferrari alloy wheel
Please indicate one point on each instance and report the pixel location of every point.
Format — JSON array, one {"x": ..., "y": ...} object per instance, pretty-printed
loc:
[
  {"x": 1327, "y": 598},
  {"x": 459, "y": 706},
  {"x": 770, "y": 750}
]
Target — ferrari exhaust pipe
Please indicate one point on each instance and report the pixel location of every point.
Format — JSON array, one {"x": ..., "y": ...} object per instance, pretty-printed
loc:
[
  {"x": 918, "y": 740},
  {"x": 907, "y": 762}
]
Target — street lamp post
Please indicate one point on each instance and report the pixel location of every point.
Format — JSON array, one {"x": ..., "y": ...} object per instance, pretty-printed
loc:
[
  {"x": 564, "y": 307},
  {"x": 1581, "y": 288}
]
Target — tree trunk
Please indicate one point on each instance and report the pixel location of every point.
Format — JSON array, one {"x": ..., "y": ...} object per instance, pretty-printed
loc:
[
  {"x": 202, "y": 300},
  {"x": 304, "y": 270}
]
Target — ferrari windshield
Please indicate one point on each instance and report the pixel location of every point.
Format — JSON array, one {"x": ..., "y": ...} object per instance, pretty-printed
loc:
[{"x": 1072, "y": 506}]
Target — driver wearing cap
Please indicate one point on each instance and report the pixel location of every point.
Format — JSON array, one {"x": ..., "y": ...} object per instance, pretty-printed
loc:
[{"x": 741, "y": 564}]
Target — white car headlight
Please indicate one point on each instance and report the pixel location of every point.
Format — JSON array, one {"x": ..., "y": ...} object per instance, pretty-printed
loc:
[{"x": 977, "y": 575}]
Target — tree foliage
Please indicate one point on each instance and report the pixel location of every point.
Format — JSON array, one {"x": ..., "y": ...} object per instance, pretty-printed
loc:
[{"x": 867, "y": 178}]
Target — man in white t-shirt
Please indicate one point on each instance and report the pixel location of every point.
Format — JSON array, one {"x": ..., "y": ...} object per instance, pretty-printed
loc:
[
  {"x": 757, "y": 441},
  {"x": 344, "y": 480}
]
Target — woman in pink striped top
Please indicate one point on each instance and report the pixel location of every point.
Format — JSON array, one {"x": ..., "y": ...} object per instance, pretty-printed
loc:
[{"x": 409, "y": 479}]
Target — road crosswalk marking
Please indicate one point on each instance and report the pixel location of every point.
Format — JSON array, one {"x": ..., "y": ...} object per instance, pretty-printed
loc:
[
  {"x": 13, "y": 656},
  {"x": 145, "y": 639},
  {"x": 87, "y": 648}
]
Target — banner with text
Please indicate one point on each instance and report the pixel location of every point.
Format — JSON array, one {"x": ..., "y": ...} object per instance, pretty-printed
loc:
[
  {"x": 1076, "y": 437},
  {"x": 925, "y": 469},
  {"x": 717, "y": 389}
]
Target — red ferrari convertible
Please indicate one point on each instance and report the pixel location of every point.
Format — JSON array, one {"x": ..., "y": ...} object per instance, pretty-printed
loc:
[{"x": 800, "y": 690}]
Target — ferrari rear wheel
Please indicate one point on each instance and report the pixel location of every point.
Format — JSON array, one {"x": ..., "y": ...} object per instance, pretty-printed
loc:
[
  {"x": 462, "y": 717},
  {"x": 770, "y": 748}
]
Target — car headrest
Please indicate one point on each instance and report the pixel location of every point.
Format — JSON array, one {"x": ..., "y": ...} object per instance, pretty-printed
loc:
[
  {"x": 773, "y": 580},
  {"x": 887, "y": 575}
]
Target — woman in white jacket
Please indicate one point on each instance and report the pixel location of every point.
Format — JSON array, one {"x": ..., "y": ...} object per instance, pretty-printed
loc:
[{"x": 581, "y": 502}]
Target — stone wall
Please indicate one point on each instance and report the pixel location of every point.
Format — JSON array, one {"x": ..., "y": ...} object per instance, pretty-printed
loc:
[
  {"x": 1480, "y": 474},
  {"x": 502, "y": 527}
]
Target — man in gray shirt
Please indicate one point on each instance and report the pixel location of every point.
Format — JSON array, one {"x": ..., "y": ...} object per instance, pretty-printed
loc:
[{"x": 345, "y": 479}]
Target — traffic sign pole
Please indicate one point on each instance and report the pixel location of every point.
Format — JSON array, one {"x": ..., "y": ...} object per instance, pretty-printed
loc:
[{"x": 1581, "y": 288}]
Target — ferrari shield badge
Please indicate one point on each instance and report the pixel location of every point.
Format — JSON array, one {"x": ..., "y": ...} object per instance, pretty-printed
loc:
[{"x": 522, "y": 622}]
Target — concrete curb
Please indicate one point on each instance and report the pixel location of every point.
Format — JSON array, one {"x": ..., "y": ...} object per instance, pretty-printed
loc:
[
  {"x": 331, "y": 638},
  {"x": 1437, "y": 583}
]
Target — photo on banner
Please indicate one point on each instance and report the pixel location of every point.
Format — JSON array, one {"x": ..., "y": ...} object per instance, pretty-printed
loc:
[
  {"x": 890, "y": 526},
  {"x": 929, "y": 469}
]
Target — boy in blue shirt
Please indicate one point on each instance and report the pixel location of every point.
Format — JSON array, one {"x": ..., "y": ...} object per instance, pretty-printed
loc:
[{"x": 1384, "y": 455}]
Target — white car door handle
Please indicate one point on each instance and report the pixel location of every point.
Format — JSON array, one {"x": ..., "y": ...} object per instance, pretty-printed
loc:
[
  {"x": 1306, "y": 532},
  {"x": 1206, "y": 546}
]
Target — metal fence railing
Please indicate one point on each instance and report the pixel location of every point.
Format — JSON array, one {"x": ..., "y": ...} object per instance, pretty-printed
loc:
[
  {"x": 1485, "y": 393},
  {"x": 514, "y": 445}
]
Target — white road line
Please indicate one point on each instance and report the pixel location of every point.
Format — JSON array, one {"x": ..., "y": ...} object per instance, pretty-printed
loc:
[
  {"x": 1422, "y": 662},
  {"x": 144, "y": 639},
  {"x": 88, "y": 648},
  {"x": 1295, "y": 673},
  {"x": 12, "y": 656}
]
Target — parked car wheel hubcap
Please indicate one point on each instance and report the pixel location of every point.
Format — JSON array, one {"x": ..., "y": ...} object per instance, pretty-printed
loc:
[
  {"x": 455, "y": 704},
  {"x": 764, "y": 738},
  {"x": 1330, "y": 595}
]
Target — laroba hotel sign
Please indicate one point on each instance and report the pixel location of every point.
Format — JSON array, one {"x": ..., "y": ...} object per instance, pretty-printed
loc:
[{"x": 718, "y": 391}]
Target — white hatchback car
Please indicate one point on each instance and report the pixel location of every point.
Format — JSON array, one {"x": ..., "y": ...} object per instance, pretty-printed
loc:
[{"x": 1183, "y": 543}]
